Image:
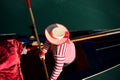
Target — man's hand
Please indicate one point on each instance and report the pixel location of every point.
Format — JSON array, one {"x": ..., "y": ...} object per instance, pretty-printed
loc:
[{"x": 42, "y": 57}]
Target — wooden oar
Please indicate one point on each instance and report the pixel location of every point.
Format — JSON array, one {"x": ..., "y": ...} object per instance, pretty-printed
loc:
[{"x": 36, "y": 35}]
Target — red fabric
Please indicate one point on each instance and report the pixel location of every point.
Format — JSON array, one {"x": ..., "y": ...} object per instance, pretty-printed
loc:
[
  {"x": 31, "y": 48},
  {"x": 10, "y": 52}
]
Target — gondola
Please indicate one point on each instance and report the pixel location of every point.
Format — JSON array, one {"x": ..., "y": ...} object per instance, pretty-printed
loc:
[{"x": 96, "y": 51}]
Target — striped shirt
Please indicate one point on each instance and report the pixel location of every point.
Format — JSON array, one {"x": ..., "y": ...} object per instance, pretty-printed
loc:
[{"x": 63, "y": 53}]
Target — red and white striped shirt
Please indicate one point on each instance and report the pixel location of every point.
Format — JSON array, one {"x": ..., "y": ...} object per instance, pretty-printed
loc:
[{"x": 63, "y": 53}]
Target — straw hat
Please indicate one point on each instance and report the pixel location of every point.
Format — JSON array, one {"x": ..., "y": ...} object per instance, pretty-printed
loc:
[{"x": 56, "y": 33}]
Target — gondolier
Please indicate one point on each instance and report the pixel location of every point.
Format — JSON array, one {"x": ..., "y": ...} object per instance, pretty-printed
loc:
[{"x": 63, "y": 49}]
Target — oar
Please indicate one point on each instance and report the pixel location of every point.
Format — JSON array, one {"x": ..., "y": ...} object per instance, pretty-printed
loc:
[{"x": 36, "y": 35}]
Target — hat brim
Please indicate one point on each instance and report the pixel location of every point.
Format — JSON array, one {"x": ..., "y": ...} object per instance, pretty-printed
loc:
[{"x": 54, "y": 40}]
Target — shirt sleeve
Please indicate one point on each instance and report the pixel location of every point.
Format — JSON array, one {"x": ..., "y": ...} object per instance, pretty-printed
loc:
[
  {"x": 46, "y": 47},
  {"x": 59, "y": 61}
]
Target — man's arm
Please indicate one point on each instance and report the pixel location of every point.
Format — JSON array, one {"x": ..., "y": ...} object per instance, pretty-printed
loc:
[
  {"x": 59, "y": 61},
  {"x": 44, "y": 50}
]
